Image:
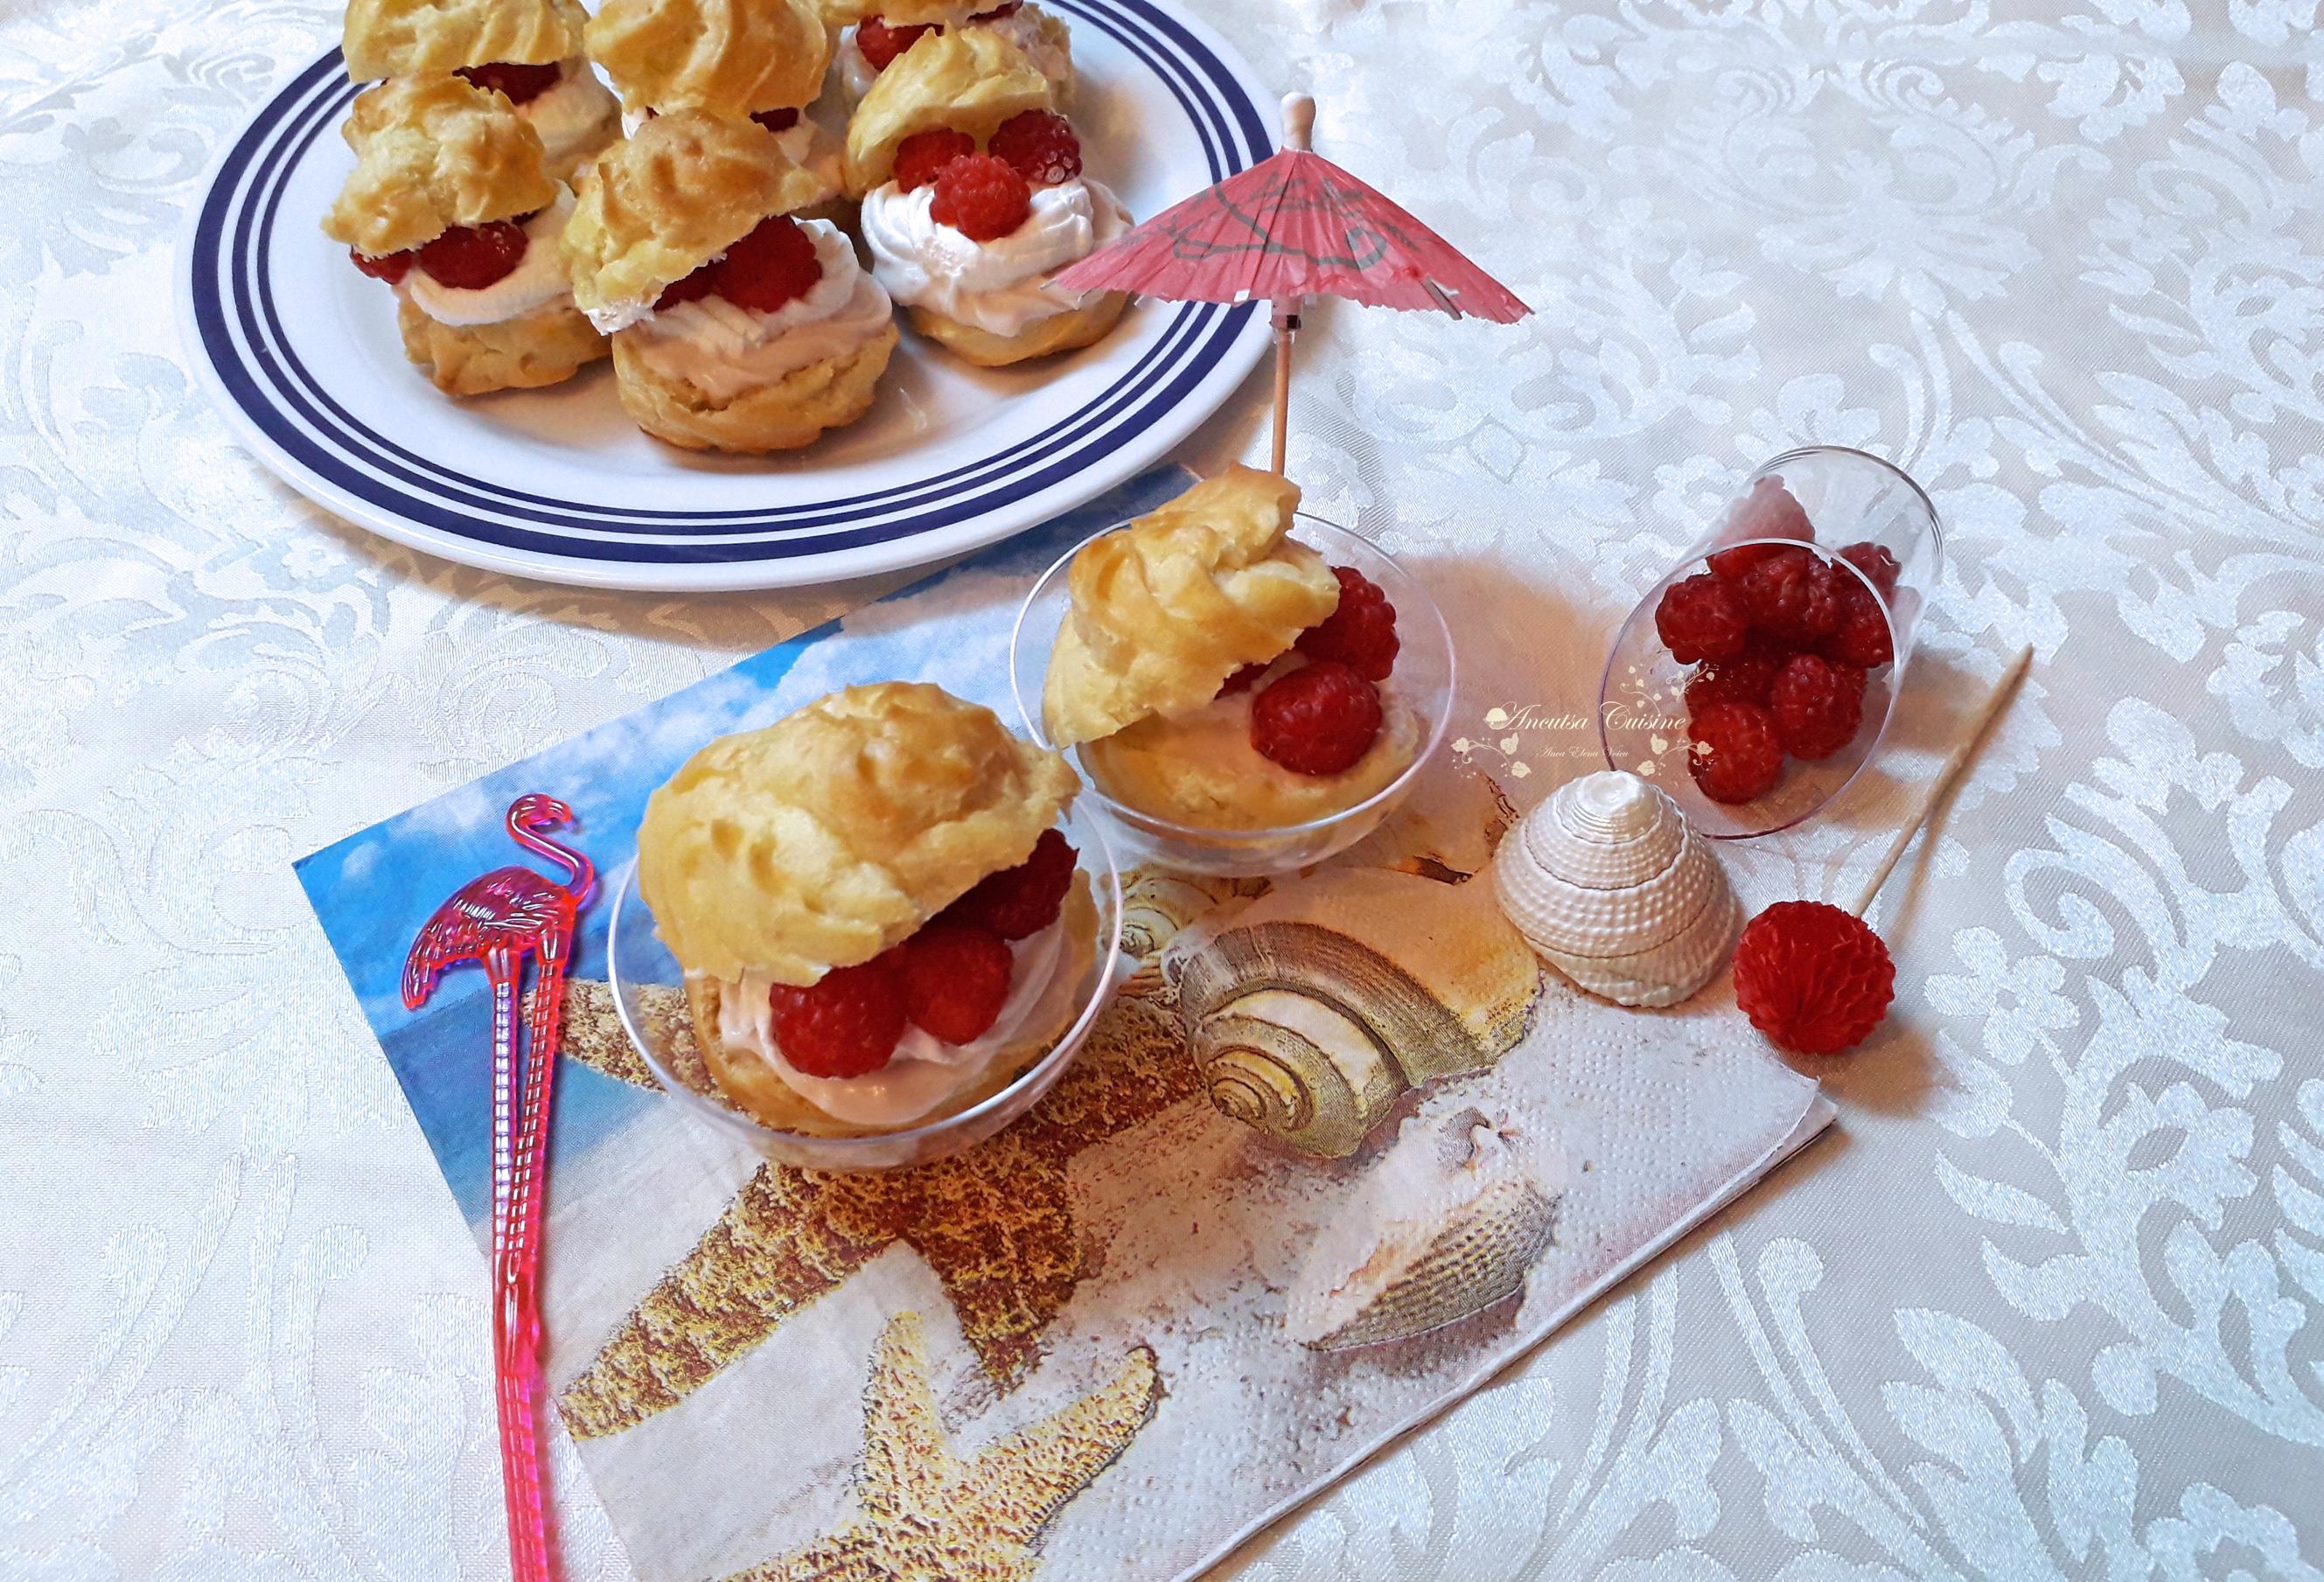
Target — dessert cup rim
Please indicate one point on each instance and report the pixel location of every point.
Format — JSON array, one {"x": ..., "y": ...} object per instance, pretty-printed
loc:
[
  {"x": 846, "y": 1152},
  {"x": 1433, "y": 736},
  {"x": 1936, "y": 517}
]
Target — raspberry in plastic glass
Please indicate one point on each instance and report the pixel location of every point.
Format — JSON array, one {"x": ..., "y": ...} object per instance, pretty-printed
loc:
[{"x": 1824, "y": 552}]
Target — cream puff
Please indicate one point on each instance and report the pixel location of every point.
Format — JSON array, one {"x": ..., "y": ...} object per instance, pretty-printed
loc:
[
  {"x": 1213, "y": 672},
  {"x": 450, "y": 203},
  {"x": 878, "y": 921},
  {"x": 869, "y": 41},
  {"x": 736, "y": 326},
  {"x": 974, "y": 197},
  {"x": 528, "y": 49},
  {"x": 759, "y": 60}
]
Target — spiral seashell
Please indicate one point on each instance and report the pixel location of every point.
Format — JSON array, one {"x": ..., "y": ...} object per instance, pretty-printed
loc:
[
  {"x": 1159, "y": 904},
  {"x": 1609, "y": 884},
  {"x": 1315, "y": 1007},
  {"x": 1446, "y": 1224}
]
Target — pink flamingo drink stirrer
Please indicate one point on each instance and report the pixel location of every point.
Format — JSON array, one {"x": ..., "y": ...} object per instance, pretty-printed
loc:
[{"x": 497, "y": 921}]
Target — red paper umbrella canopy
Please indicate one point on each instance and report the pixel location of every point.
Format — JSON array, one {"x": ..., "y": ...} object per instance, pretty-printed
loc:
[{"x": 1295, "y": 226}]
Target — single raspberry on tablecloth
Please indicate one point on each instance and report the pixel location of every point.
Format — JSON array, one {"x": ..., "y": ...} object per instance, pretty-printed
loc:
[
  {"x": 955, "y": 979},
  {"x": 1320, "y": 719},
  {"x": 468, "y": 258},
  {"x": 1790, "y": 594},
  {"x": 1701, "y": 618},
  {"x": 1815, "y": 979},
  {"x": 922, "y": 157},
  {"x": 847, "y": 1024},
  {"x": 981, "y": 198},
  {"x": 1769, "y": 512},
  {"x": 1733, "y": 752},
  {"x": 1817, "y": 705},
  {"x": 1361, "y": 630},
  {"x": 1018, "y": 902},
  {"x": 1040, "y": 145},
  {"x": 775, "y": 264}
]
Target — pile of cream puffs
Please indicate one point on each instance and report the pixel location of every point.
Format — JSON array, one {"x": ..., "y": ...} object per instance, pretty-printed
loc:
[{"x": 699, "y": 221}]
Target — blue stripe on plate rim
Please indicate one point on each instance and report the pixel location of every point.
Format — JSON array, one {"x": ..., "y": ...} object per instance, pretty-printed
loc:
[{"x": 262, "y": 378}]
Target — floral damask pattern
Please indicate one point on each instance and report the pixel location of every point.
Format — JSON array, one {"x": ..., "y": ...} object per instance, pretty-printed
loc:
[{"x": 2052, "y": 1307}]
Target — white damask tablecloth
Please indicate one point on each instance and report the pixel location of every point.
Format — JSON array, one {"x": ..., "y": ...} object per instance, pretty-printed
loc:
[{"x": 2051, "y": 1306}]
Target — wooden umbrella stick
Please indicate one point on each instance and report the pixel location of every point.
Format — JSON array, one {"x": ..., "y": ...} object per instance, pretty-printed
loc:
[
  {"x": 1947, "y": 775},
  {"x": 1298, "y": 130}
]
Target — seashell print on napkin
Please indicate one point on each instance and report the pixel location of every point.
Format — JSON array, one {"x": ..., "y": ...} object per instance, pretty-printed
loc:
[{"x": 1339, "y": 1150}]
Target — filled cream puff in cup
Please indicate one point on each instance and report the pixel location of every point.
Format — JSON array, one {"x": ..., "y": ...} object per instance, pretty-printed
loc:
[
  {"x": 879, "y": 923},
  {"x": 1214, "y": 672}
]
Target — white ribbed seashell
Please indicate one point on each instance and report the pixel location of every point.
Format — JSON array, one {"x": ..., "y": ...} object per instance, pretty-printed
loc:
[
  {"x": 1443, "y": 1226},
  {"x": 1609, "y": 884}
]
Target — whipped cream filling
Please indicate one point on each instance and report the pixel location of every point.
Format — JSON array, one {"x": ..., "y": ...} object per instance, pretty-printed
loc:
[
  {"x": 537, "y": 280},
  {"x": 723, "y": 349},
  {"x": 569, "y": 117},
  {"x": 1002, "y": 286},
  {"x": 925, "y": 1071}
]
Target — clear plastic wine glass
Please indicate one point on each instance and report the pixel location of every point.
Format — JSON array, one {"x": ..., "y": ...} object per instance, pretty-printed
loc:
[{"x": 1849, "y": 498}]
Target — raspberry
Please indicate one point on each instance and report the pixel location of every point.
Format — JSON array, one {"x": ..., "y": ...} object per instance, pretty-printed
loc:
[
  {"x": 1361, "y": 630},
  {"x": 921, "y": 158},
  {"x": 1734, "y": 756},
  {"x": 1041, "y": 145},
  {"x": 468, "y": 258},
  {"x": 1859, "y": 634},
  {"x": 1317, "y": 720},
  {"x": 1701, "y": 619},
  {"x": 775, "y": 264},
  {"x": 1812, "y": 977},
  {"x": 1790, "y": 594},
  {"x": 956, "y": 980},
  {"x": 522, "y": 83},
  {"x": 1019, "y": 902},
  {"x": 1817, "y": 706},
  {"x": 881, "y": 43},
  {"x": 776, "y": 121},
  {"x": 1743, "y": 679},
  {"x": 691, "y": 288},
  {"x": 981, "y": 198},
  {"x": 390, "y": 267},
  {"x": 1242, "y": 680},
  {"x": 1769, "y": 512},
  {"x": 846, "y": 1025},
  {"x": 1875, "y": 562}
]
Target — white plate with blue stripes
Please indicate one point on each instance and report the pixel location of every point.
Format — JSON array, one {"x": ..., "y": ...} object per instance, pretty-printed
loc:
[{"x": 302, "y": 354}]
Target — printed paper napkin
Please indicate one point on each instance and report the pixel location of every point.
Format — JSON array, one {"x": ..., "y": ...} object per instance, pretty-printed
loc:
[{"x": 1210, "y": 1273}]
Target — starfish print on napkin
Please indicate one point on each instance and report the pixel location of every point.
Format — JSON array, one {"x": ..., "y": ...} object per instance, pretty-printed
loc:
[{"x": 926, "y": 1515}]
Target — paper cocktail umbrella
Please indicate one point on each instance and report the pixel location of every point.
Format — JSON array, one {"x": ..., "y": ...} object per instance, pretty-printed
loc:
[
  {"x": 1292, "y": 226},
  {"x": 497, "y": 921},
  {"x": 1815, "y": 979}
]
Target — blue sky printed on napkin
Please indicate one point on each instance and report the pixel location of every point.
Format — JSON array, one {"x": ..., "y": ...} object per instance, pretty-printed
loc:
[{"x": 373, "y": 890}]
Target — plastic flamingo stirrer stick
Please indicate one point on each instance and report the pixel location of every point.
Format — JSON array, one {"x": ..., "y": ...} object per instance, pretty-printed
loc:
[
  {"x": 497, "y": 920},
  {"x": 1816, "y": 979}
]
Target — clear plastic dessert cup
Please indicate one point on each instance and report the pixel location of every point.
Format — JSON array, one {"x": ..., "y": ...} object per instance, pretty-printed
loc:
[
  {"x": 1423, "y": 680},
  {"x": 649, "y": 995},
  {"x": 1851, "y": 499}
]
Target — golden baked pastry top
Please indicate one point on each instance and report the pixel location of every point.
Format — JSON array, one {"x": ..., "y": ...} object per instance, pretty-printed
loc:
[
  {"x": 671, "y": 197},
  {"x": 969, "y": 78},
  {"x": 834, "y": 833},
  {"x": 728, "y": 58},
  {"x": 1165, "y": 610},
  {"x": 432, "y": 152},
  {"x": 398, "y": 38}
]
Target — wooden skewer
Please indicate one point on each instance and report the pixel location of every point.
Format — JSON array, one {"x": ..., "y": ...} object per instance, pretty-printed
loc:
[
  {"x": 1299, "y": 128},
  {"x": 1947, "y": 775}
]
